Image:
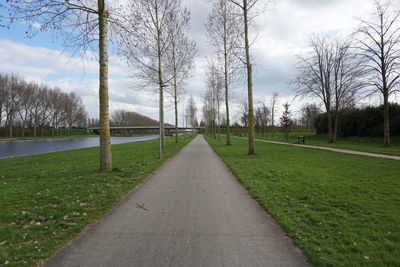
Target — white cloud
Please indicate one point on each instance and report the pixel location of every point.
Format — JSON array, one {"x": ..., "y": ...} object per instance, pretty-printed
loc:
[{"x": 284, "y": 31}]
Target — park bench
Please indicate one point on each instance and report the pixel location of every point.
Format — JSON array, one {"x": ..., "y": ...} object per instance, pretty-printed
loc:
[{"x": 300, "y": 139}]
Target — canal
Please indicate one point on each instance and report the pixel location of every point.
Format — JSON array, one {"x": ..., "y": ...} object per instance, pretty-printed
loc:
[{"x": 38, "y": 146}]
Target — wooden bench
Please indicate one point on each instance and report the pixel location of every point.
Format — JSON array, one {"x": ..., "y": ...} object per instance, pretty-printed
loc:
[{"x": 301, "y": 139}]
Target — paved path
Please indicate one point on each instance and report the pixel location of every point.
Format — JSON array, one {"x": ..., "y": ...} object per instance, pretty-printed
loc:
[
  {"x": 194, "y": 213},
  {"x": 340, "y": 150}
]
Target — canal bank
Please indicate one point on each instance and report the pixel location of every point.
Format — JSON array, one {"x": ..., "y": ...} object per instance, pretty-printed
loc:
[{"x": 14, "y": 148}]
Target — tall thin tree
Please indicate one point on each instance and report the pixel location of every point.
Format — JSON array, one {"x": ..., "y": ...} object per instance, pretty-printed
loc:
[
  {"x": 247, "y": 7},
  {"x": 79, "y": 23},
  {"x": 180, "y": 58},
  {"x": 147, "y": 44},
  {"x": 224, "y": 34}
]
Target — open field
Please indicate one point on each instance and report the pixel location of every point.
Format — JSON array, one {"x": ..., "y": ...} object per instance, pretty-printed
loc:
[
  {"x": 367, "y": 144},
  {"x": 48, "y": 199},
  {"x": 341, "y": 210}
]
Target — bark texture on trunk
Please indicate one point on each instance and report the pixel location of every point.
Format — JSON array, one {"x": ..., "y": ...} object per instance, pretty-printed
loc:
[
  {"x": 176, "y": 118},
  {"x": 228, "y": 127},
  {"x": 10, "y": 130},
  {"x": 335, "y": 126},
  {"x": 175, "y": 92},
  {"x": 105, "y": 140},
  {"x": 252, "y": 150},
  {"x": 330, "y": 131},
  {"x": 386, "y": 123}
]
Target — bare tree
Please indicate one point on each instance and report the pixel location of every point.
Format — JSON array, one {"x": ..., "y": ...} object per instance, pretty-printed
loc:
[
  {"x": 212, "y": 97},
  {"x": 332, "y": 73},
  {"x": 3, "y": 95},
  {"x": 224, "y": 34},
  {"x": 57, "y": 98},
  {"x": 80, "y": 24},
  {"x": 309, "y": 113},
  {"x": 286, "y": 120},
  {"x": 130, "y": 118},
  {"x": 263, "y": 114},
  {"x": 274, "y": 102},
  {"x": 45, "y": 108},
  {"x": 26, "y": 93},
  {"x": 74, "y": 111},
  {"x": 192, "y": 112},
  {"x": 180, "y": 58},
  {"x": 147, "y": 45},
  {"x": 247, "y": 8},
  {"x": 243, "y": 114},
  {"x": 29, "y": 105},
  {"x": 37, "y": 100},
  {"x": 11, "y": 107},
  {"x": 379, "y": 44}
]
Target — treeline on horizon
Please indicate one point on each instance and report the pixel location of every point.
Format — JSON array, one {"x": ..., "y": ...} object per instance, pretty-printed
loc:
[
  {"x": 33, "y": 109},
  {"x": 120, "y": 118}
]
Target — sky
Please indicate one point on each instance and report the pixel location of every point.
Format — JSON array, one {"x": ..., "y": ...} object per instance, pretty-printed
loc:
[{"x": 283, "y": 31}]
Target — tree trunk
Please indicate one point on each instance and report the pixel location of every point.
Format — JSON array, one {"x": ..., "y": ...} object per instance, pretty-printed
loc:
[
  {"x": 105, "y": 140},
  {"x": 330, "y": 132},
  {"x": 228, "y": 126},
  {"x": 176, "y": 118},
  {"x": 386, "y": 125},
  {"x": 10, "y": 130},
  {"x": 219, "y": 124},
  {"x": 335, "y": 126},
  {"x": 252, "y": 150},
  {"x": 161, "y": 108}
]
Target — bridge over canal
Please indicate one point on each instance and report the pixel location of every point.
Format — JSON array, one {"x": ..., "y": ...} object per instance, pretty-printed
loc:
[{"x": 169, "y": 130}]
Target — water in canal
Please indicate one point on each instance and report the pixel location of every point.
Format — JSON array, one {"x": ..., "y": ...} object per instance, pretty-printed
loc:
[{"x": 28, "y": 147}]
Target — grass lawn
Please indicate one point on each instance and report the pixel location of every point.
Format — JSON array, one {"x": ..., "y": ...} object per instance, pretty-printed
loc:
[
  {"x": 367, "y": 144},
  {"x": 48, "y": 199},
  {"x": 341, "y": 210}
]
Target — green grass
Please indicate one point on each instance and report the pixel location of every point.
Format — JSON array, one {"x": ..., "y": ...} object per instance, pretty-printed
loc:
[
  {"x": 48, "y": 199},
  {"x": 367, "y": 144},
  {"x": 341, "y": 210}
]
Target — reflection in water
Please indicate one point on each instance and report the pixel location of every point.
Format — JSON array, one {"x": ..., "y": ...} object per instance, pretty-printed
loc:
[{"x": 28, "y": 147}]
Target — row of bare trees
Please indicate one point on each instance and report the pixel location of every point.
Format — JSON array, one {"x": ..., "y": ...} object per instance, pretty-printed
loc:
[
  {"x": 338, "y": 70},
  {"x": 32, "y": 106},
  {"x": 152, "y": 36},
  {"x": 213, "y": 98},
  {"x": 228, "y": 31},
  {"x": 159, "y": 51}
]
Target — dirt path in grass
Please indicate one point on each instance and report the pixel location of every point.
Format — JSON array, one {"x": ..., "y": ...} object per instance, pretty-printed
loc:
[
  {"x": 191, "y": 212},
  {"x": 339, "y": 150}
]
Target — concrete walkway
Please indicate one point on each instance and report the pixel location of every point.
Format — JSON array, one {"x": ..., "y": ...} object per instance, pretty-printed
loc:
[
  {"x": 191, "y": 212},
  {"x": 339, "y": 150}
]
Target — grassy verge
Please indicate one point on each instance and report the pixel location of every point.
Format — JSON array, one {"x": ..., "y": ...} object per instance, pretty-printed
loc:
[
  {"x": 341, "y": 210},
  {"x": 367, "y": 144},
  {"x": 48, "y": 199}
]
